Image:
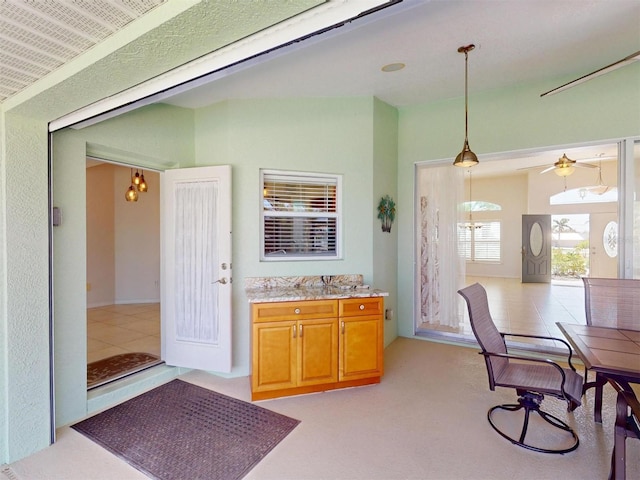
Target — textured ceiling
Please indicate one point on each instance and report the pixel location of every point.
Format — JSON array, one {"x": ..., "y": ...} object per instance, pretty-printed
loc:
[{"x": 37, "y": 37}]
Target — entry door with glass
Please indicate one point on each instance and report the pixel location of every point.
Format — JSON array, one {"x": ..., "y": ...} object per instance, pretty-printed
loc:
[{"x": 536, "y": 248}]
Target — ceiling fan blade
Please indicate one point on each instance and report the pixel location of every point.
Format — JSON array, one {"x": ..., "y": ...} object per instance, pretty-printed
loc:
[
  {"x": 584, "y": 165},
  {"x": 620, "y": 63},
  {"x": 548, "y": 169}
]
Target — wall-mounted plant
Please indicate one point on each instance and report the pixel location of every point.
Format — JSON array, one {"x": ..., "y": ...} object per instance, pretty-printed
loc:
[{"x": 386, "y": 212}]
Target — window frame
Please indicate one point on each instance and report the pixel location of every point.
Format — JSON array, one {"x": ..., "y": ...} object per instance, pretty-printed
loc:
[
  {"x": 472, "y": 243},
  {"x": 264, "y": 257}
]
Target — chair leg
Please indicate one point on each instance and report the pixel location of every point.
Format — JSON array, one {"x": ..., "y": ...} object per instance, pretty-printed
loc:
[{"x": 531, "y": 403}]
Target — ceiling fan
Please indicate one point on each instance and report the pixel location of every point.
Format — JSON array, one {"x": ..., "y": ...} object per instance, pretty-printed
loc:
[
  {"x": 566, "y": 166},
  {"x": 615, "y": 65}
]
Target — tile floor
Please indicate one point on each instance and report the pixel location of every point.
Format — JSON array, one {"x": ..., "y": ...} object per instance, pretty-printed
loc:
[
  {"x": 115, "y": 329},
  {"x": 527, "y": 308}
]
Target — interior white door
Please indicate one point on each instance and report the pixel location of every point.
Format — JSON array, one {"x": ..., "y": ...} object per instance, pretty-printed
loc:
[{"x": 196, "y": 268}]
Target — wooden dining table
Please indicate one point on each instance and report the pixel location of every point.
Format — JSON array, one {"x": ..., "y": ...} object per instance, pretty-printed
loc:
[{"x": 613, "y": 353}]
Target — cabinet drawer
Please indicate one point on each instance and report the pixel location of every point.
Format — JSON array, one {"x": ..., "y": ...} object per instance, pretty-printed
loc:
[
  {"x": 263, "y": 312},
  {"x": 360, "y": 306}
]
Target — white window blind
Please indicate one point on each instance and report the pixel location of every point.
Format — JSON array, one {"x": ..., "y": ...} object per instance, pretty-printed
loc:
[
  {"x": 300, "y": 215},
  {"x": 480, "y": 241}
]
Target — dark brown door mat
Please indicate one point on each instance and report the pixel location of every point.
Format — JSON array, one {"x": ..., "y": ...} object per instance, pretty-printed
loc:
[
  {"x": 118, "y": 366},
  {"x": 182, "y": 431}
]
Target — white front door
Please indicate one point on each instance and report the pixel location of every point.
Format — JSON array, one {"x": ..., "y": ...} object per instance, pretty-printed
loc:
[{"x": 196, "y": 268}]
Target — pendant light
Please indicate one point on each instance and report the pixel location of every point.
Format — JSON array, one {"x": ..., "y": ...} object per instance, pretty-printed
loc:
[
  {"x": 466, "y": 158},
  {"x": 135, "y": 179},
  {"x": 131, "y": 195},
  {"x": 142, "y": 186}
]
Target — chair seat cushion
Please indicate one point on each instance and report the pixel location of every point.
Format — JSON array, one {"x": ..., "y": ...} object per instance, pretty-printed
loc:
[{"x": 540, "y": 378}]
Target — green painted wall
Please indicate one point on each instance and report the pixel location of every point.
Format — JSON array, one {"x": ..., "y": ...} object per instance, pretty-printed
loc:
[
  {"x": 25, "y": 308},
  {"x": 385, "y": 175},
  {"x": 604, "y": 108},
  {"x": 153, "y": 136},
  {"x": 311, "y": 135}
]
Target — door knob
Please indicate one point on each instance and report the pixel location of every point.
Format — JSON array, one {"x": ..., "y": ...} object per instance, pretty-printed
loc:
[{"x": 223, "y": 281}]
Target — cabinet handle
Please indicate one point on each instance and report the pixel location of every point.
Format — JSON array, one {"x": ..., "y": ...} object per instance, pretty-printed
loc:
[
  {"x": 301, "y": 330},
  {"x": 361, "y": 307},
  {"x": 297, "y": 311},
  {"x": 343, "y": 327},
  {"x": 294, "y": 331}
]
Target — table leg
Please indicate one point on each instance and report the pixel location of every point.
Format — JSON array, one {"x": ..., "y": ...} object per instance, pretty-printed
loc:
[{"x": 598, "y": 385}]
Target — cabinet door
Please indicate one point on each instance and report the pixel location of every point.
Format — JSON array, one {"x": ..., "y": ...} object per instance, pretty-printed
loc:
[
  {"x": 317, "y": 351},
  {"x": 274, "y": 355},
  {"x": 360, "y": 347}
]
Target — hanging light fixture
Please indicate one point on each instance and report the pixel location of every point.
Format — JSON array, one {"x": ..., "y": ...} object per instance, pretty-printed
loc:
[
  {"x": 564, "y": 166},
  {"x": 135, "y": 179},
  {"x": 470, "y": 225},
  {"x": 131, "y": 195},
  {"x": 466, "y": 158},
  {"x": 142, "y": 186}
]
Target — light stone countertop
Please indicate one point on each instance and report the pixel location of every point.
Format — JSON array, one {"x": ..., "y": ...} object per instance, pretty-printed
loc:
[
  {"x": 291, "y": 289},
  {"x": 291, "y": 294}
]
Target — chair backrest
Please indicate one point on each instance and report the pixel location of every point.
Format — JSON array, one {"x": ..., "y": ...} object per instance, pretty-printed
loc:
[
  {"x": 484, "y": 329},
  {"x": 612, "y": 302}
]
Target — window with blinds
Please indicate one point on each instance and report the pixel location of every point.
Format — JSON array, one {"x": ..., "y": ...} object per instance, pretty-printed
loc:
[
  {"x": 479, "y": 241},
  {"x": 300, "y": 215}
]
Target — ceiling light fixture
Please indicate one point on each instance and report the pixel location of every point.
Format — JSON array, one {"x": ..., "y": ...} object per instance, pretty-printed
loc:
[
  {"x": 393, "y": 67},
  {"x": 564, "y": 166},
  {"x": 138, "y": 184},
  {"x": 131, "y": 195},
  {"x": 142, "y": 186},
  {"x": 466, "y": 158},
  {"x": 135, "y": 179},
  {"x": 600, "y": 188}
]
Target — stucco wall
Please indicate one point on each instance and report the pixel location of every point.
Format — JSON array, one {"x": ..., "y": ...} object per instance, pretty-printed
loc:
[{"x": 27, "y": 283}]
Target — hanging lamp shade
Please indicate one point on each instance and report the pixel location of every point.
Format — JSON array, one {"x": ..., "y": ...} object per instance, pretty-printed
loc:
[
  {"x": 131, "y": 195},
  {"x": 135, "y": 179},
  {"x": 466, "y": 158},
  {"x": 142, "y": 186}
]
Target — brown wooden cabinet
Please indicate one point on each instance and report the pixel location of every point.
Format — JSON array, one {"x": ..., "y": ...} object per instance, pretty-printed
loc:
[
  {"x": 361, "y": 338},
  {"x": 315, "y": 345}
]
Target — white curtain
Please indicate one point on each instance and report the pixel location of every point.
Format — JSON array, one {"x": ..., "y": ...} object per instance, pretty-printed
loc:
[
  {"x": 196, "y": 262},
  {"x": 441, "y": 267}
]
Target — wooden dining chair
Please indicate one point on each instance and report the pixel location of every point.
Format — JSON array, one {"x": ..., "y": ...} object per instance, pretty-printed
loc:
[
  {"x": 614, "y": 303},
  {"x": 627, "y": 426},
  {"x": 532, "y": 378}
]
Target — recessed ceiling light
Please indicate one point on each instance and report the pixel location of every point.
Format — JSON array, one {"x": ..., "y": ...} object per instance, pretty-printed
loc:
[{"x": 393, "y": 67}]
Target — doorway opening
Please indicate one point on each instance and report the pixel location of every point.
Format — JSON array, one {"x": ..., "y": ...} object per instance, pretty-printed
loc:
[
  {"x": 123, "y": 274},
  {"x": 523, "y": 185}
]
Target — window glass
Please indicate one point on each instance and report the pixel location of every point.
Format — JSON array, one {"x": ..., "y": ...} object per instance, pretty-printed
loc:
[
  {"x": 480, "y": 241},
  {"x": 300, "y": 216}
]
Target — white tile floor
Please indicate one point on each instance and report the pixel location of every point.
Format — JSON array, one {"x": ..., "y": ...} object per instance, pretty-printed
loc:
[
  {"x": 527, "y": 308},
  {"x": 115, "y": 329}
]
